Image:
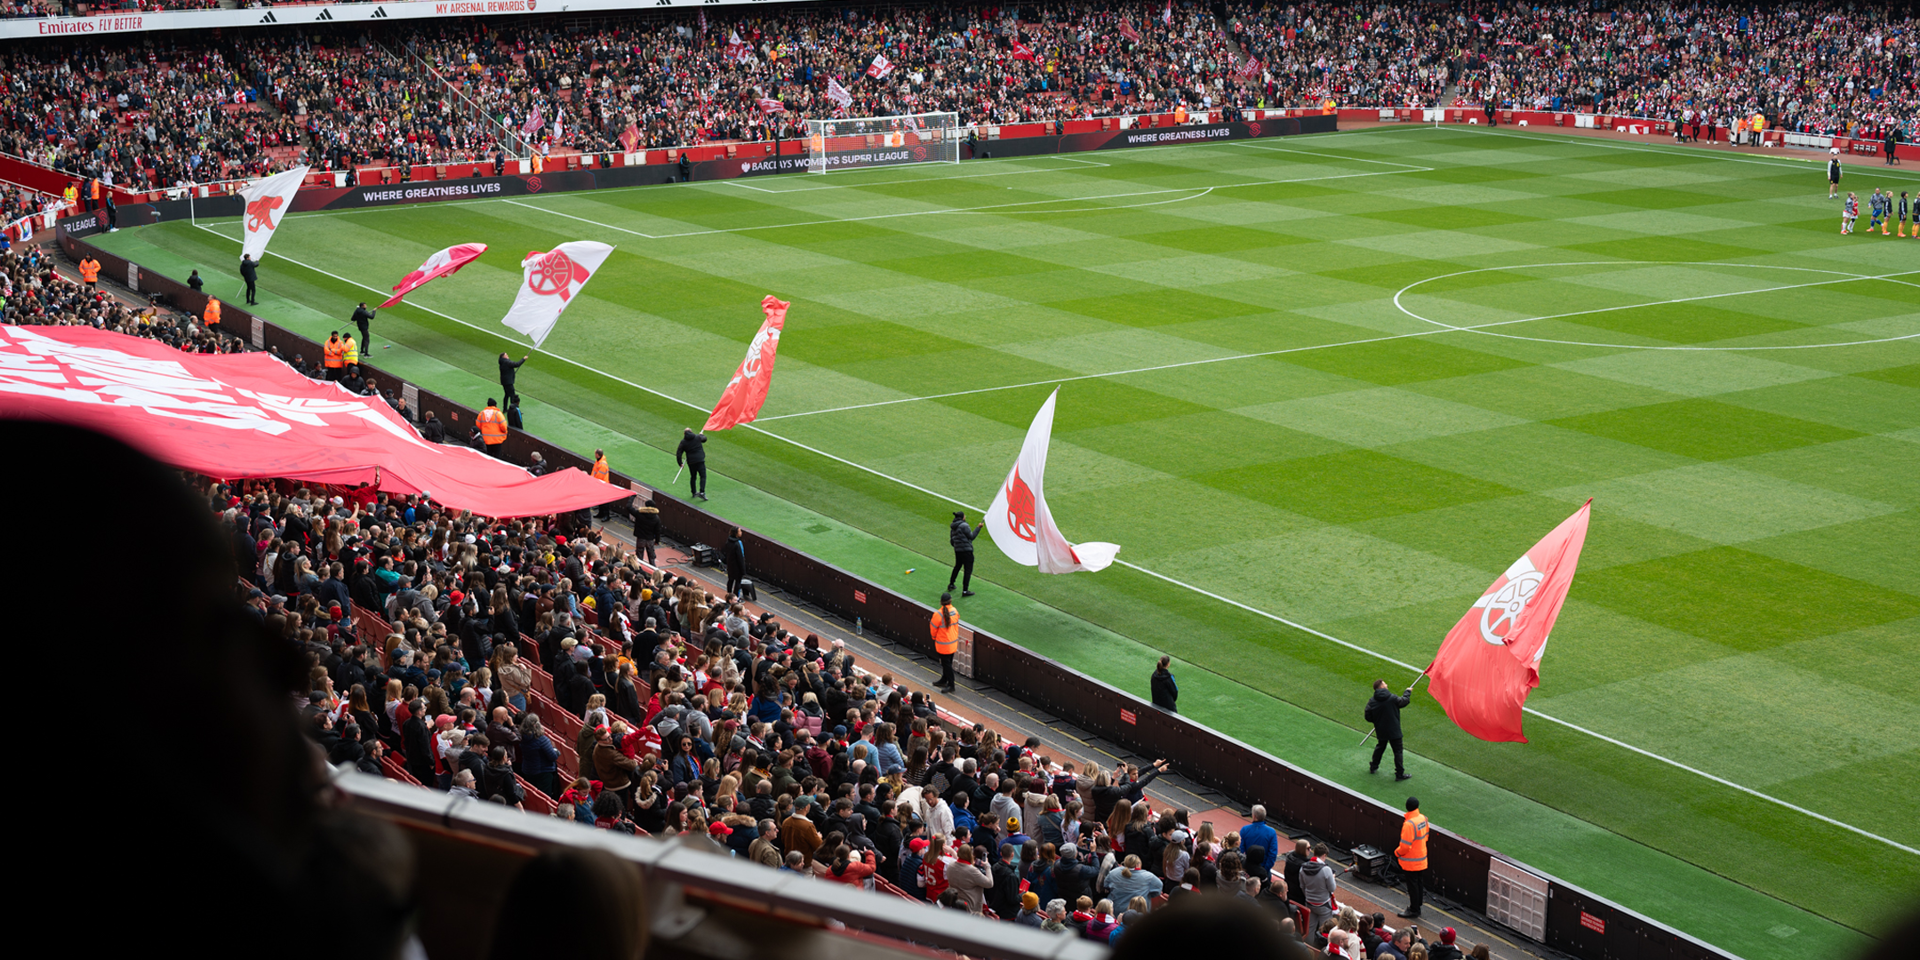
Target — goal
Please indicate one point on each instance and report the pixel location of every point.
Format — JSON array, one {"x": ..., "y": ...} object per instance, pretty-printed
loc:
[{"x": 882, "y": 141}]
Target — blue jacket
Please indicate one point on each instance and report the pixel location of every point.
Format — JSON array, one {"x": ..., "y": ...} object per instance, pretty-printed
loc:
[
  {"x": 1260, "y": 834},
  {"x": 539, "y": 756}
]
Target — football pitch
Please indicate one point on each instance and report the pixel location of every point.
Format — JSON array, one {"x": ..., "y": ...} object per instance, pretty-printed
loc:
[{"x": 1321, "y": 390}]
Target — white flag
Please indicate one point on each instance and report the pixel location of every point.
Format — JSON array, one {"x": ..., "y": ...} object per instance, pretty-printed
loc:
[
  {"x": 838, "y": 94},
  {"x": 549, "y": 283},
  {"x": 268, "y": 201},
  {"x": 880, "y": 66},
  {"x": 1019, "y": 521}
]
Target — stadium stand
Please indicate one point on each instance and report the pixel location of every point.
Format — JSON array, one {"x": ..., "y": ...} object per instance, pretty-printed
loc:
[{"x": 157, "y": 111}]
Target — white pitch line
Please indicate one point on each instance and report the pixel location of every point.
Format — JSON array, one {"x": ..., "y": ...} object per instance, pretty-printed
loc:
[
  {"x": 1152, "y": 573},
  {"x": 1437, "y": 328},
  {"x": 742, "y": 181},
  {"x": 1784, "y": 163}
]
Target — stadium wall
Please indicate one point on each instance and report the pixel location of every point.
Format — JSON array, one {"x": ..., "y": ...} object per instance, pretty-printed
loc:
[{"x": 1578, "y": 922}]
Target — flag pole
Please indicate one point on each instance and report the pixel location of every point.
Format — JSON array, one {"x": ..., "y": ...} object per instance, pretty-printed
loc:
[{"x": 676, "y": 475}]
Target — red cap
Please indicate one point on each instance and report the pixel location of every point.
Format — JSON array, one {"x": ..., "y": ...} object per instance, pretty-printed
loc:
[
  {"x": 1447, "y": 935},
  {"x": 719, "y": 829},
  {"x": 917, "y": 844}
]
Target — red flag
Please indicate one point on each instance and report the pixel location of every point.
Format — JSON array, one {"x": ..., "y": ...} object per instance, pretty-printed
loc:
[
  {"x": 1167, "y": 16},
  {"x": 880, "y": 66},
  {"x": 442, "y": 263},
  {"x": 1021, "y": 51},
  {"x": 246, "y": 415},
  {"x": 1490, "y": 660},
  {"x": 768, "y": 105},
  {"x": 1127, "y": 30},
  {"x": 741, "y": 401},
  {"x": 630, "y": 137}
]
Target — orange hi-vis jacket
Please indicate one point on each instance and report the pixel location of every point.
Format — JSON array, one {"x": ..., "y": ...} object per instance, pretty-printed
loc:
[
  {"x": 493, "y": 426},
  {"x": 90, "y": 270},
  {"x": 333, "y": 354},
  {"x": 946, "y": 630},
  {"x": 600, "y": 470},
  {"x": 1412, "y": 851},
  {"x": 212, "y": 316}
]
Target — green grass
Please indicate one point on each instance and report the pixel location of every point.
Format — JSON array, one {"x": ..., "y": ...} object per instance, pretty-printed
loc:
[{"x": 1248, "y": 409}]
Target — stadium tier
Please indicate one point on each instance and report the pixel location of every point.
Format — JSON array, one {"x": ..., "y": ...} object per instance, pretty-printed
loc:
[{"x": 1328, "y": 312}]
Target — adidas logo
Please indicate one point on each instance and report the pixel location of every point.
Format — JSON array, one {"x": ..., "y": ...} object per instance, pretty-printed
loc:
[
  {"x": 269, "y": 18},
  {"x": 379, "y": 12},
  {"x": 326, "y": 14}
]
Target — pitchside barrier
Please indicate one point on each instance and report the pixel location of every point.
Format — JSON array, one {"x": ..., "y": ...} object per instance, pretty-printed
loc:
[{"x": 1573, "y": 920}]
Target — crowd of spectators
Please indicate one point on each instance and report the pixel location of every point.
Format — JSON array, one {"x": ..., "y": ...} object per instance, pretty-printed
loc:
[
  {"x": 33, "y": 293},
  {"x": 156, "y": 111},
  {"x": 161, "y": 109}
]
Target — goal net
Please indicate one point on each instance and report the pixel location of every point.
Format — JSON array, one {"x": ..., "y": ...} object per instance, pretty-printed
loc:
[{"x": 882, "y": 141}]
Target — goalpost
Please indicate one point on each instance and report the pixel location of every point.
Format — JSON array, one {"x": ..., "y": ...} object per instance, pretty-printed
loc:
[{"x": 883, "y": 141}]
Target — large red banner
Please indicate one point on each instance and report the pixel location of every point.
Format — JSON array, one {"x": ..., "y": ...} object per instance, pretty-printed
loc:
[{"x": 249, "y": 415}]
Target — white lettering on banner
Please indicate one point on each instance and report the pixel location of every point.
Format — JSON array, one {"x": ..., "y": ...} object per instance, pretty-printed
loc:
[
  {"x": 1178, "y": 136},
  {"x": 33, "y": 365},
  {"x": 445, "y": 192}
]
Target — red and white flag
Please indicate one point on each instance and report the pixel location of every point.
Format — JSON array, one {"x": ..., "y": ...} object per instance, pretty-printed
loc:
[
  {"x": 741, "y": 401},
  {"x": 1166, "y": 16},
  {"x": 768, "y": 105},
  {"x": 1021, "y": 524},
  {"x": 1250, "y": 69},
  {"x": 1021, "y": 51},
  {"x": 1127, "y": 30},
  {"x": 703, "y": 21},
  {"x": 1490, "y": 660},
  {"x": 268, "y": 201},
  {"x": 838, "y": 94},
  {"x": 441, "y": 264},
  {"x": 548, "y": 283},
  {"x": 880, "y": 66},
  {"x": 737, "y": 49}
]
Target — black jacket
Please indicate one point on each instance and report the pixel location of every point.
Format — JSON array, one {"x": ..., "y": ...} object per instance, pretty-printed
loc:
[
  {"x": 362, "y": 316},
  {"x": 692, "y": 449},
  {"x": 419, "y": 752},
  {"x": 1384, "y": 710},
  {"x": 1165, "y": 691},
  {"x": 573, "y": 693},
  {"x": 734, "y": 554},
  {"x": 500, "y": 781},
  {"x": 961, "y": 536},
  {"x": 508, "y": 368},
  {"x": 646, "y": 523},
  {"x": 433, "y": 431},
  {"x": 249, "y": 270}
]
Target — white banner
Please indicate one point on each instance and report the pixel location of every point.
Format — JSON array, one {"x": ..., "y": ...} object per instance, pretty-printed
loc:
[
  {"x": 295, "y": 16},
  {"x": 268, "y": 200},
  {"x": 1019, "y": 521},
  {"x": 549, "y": 283}
]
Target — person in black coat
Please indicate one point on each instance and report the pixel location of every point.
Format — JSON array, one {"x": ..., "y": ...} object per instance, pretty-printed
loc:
[
  {"x": 693, "y": 453},
  {"x": 414, "y": 741},
  {"x": 575, "y": 690},
  {"x": 1384, "y": 712},
  {"x": 433, "y": 431},
  {"x": 1165, "y": 692},
  {"x": 250, "y": 272},
  {"x": 361, "y": 318},
  {"x": 497, "y": 779},
  {"x": 734, "y": 555},
  {"x": 509, "y": 369},
  {"x": 961, "y": 535}
]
